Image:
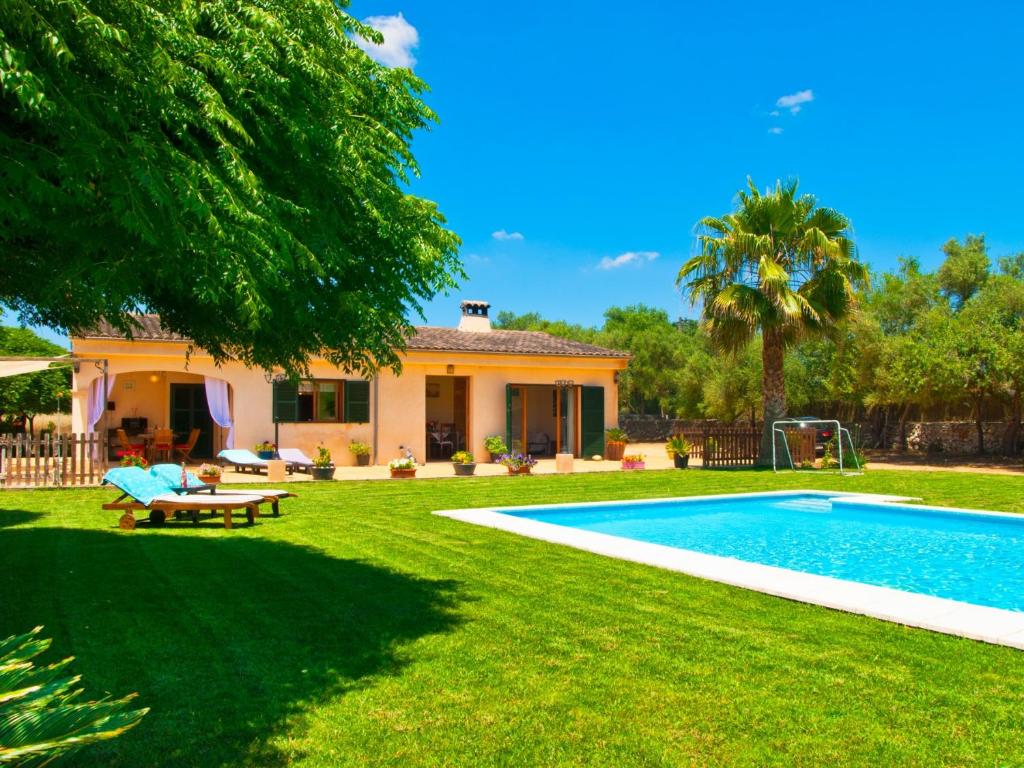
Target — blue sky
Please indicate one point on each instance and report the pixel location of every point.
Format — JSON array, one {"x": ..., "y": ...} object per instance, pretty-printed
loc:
[
  {"x": 598, "y": 130},
  {"x": 598, "y": 134}
]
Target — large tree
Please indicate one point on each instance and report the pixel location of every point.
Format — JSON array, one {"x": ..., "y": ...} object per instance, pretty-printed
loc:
[
  {"x": 779, "y": 265},
  {"x": 239, "y": 166}
]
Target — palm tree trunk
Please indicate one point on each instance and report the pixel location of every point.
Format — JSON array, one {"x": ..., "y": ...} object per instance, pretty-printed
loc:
[{"x": 773, "y": 390}]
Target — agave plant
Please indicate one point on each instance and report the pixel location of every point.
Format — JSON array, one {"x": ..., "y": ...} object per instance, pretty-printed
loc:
[{"x": 41, "y": 716}]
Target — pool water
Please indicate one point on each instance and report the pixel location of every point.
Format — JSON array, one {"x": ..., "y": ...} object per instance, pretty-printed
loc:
[{"x": 962, "y": 556}]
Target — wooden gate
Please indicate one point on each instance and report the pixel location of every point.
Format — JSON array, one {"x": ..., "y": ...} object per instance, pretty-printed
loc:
[
  {"x": 52, "y": 461},
  {"x": 801, "y": 444}
]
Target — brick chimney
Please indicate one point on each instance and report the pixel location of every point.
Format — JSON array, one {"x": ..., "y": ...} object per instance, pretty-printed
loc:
[{"x": 474, "y": 317}]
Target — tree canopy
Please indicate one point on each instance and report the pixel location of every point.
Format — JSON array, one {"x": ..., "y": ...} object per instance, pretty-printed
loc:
[
  {"x": 240, "y": 167},
  {"x": 912, "y": 350}
]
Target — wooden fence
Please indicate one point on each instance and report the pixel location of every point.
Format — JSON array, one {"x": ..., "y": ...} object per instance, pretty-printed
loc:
[
  {"x": 718, "y": 447},
  {"x": 52, "y": 461}
]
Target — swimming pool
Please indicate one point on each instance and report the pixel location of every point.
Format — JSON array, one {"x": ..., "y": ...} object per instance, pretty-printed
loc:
[{"x": 939, "y": 568}]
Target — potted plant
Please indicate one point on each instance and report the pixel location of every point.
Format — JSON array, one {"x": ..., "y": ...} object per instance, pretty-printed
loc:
[
  {"x": 265, "y": 450},
  {"x": 405, "y": 467},
  {"x": 517, "y": 463},
  {"x": 495, "y": 445},
  {"x": 463, "y": 463},
  {"x": 323, "y": 467},
  {"x": 134, "y": 460},
  {"x": 209, "y": 473},
  {"x": 616, "y": 440},
  {"x": 678, "y": 447},
  {"x": 633, "y": 461},
  {"x": 361, "y": 451}
]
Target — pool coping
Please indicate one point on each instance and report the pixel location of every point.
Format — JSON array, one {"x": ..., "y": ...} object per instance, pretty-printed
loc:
[{"x": 998, "y": 626}]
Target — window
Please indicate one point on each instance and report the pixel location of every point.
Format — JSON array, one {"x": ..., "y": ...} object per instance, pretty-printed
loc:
[
  {"x": 321, "y": 400},
  {"x": 318, "y": 400}
]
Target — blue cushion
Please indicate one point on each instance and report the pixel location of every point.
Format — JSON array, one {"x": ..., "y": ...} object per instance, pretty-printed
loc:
[{"x": 137, "y": 483}]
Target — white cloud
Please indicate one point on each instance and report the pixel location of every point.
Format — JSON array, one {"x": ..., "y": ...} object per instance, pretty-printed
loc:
[
  {"x": 629, "y": 257},
  {"x": 774, "y": 113},
  {"x": 400, "y": 38},
  {"x": 501, "y": 234},
  {"x": 794, "y": 101},
  {"x": 775, "y": 130}
]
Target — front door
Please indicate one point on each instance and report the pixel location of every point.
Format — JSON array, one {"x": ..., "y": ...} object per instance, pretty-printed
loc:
[{"x": 190, "y": 411}]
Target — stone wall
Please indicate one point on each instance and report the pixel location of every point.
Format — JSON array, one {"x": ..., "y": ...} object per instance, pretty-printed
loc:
[{"x": 950, "y": 437}]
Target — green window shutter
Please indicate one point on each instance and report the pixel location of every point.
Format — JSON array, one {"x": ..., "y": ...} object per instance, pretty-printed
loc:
[
  {"x": 592, "y": 421},
  {"x": 357, "y": 401},
  {"x": 286, "y": 401}
]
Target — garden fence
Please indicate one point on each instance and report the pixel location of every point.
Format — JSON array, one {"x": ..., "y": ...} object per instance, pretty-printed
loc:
[
  {"x": 719, "y": 447},
  {"x": 51, "y": 461}
]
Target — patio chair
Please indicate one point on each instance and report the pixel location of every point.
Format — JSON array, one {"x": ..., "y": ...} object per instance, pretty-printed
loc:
[
  {"x": 184, "y": 450},
  {"x": 170, "y": 475},
  {"x": 127, "y": 447},
  {"x": 163, "y": 443},
  {"x": 242, "y": 459},
  {"x": 142, "y": 491},
  {"x": 296, "y": 459}
]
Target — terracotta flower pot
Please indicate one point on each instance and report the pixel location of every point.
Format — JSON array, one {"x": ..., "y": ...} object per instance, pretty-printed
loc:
[
  {"x": 210, "y": 479},
  {"x": 520, "y": 471},
  {"x": 614, "y": 451},
  {"x": 396, "y": 473}
]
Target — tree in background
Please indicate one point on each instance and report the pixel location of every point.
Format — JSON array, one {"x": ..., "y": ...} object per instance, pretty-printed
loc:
[
  {"x": 778, "y": 265},
  {"x": 965, "y": 269},
  {"x": 32, "y": 393},
  {"x": 238, "y": 167}
]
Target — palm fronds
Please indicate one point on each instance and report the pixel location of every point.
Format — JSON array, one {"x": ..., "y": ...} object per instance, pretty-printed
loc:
[{"x": 40, "y": 714}]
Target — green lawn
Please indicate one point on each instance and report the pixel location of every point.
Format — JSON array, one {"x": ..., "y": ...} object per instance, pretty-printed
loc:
[{"x": 358, "y": 629}]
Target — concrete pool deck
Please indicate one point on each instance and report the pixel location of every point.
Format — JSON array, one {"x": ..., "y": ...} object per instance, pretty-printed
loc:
[{"x": 992, "y": 625}]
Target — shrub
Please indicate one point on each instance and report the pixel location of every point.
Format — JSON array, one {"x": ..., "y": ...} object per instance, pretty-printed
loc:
[
  {"x": 358, "y": 449},
  {"x": 495, "y": 445},
  {"x": 406, "y": 463},
  {"x": 323, "y": 456},
  {"x": 616, "y": 435},
  {"x": 462, "y": 457},
  {"x": 679, "y": 445}
]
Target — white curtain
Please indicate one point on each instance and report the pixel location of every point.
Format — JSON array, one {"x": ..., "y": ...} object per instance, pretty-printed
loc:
[
  {"x": 220, "y": 408},
  {"x": 96, "y": 403}
]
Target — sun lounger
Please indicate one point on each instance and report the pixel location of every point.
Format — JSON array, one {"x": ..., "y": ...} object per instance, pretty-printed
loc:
[
  {"x": 170, "y": 475},
  {"x": 143, "y": 491},
  {"x": 242, "y": 459},
  {"x": 297, "y": 460}
]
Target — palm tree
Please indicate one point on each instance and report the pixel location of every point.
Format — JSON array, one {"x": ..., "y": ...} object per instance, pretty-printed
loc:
[{"x": 778, "y": 264}]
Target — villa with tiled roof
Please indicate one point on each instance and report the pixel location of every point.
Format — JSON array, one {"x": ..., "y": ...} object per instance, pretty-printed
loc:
[{"x": 541, "y": 393}]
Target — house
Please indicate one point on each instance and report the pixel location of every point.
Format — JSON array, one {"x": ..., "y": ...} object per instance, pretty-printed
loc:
[{"x": 457, "y": 386}]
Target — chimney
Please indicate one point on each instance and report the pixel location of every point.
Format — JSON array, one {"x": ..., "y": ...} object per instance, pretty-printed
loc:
[{"x": 474, "y": 317}]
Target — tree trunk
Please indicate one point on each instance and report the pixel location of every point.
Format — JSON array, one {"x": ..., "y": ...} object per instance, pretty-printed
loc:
[
  {"x": 980, "y": 424},
  {"x": 1012, "y": 427},
  {"x": 773, "y": 390}
]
